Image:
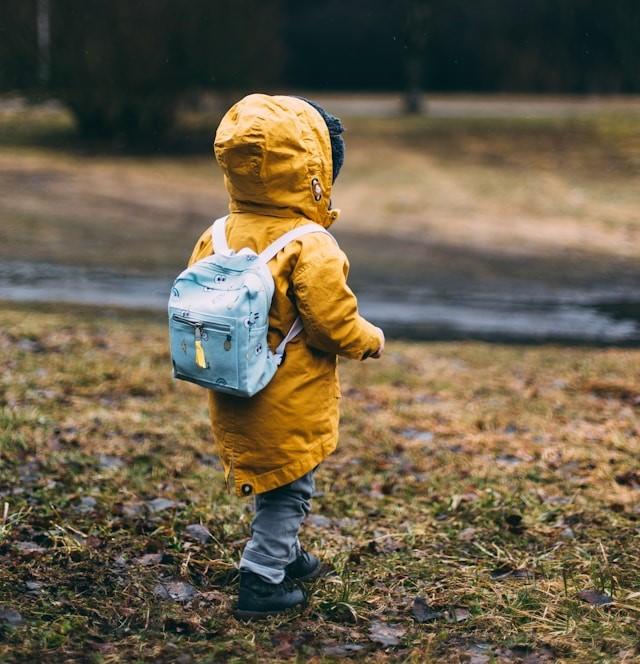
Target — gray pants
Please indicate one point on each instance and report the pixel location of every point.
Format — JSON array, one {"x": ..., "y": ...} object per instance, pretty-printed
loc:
[{"x": 274, "y": 530}]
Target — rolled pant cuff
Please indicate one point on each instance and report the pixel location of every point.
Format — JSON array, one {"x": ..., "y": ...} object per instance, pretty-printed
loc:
[{"x": 269, "y": 574}]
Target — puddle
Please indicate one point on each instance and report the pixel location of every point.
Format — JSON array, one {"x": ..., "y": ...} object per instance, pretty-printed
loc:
[
  {"x": 568, "y": 317},
  {"x": 520, "y": 315}
]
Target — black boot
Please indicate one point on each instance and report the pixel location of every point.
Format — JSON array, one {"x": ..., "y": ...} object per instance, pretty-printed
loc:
[
  {"x": 306, "y": 567},
  {"x": 259, "y": 598}
]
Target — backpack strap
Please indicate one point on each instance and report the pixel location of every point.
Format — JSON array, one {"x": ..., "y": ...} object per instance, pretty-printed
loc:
[
  {"x": 219, "y": 236},
  {"x": 270, "y": 253},
  {"x": 295, "y": 330},
  {"x": 292, "y": 235}
]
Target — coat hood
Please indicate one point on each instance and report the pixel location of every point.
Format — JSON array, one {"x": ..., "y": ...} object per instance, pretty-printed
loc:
[{"x": 275, "y": 152}]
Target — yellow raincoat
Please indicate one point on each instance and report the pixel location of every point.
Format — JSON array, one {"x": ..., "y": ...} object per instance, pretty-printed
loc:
[{"x": 276, "y": 156}]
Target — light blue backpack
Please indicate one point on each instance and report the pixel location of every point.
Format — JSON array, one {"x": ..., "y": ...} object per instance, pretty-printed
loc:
[{"x": 219, "y": 316}]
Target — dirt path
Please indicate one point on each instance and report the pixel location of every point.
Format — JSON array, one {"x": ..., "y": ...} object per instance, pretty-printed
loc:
[{"x": 479, "y": 106}]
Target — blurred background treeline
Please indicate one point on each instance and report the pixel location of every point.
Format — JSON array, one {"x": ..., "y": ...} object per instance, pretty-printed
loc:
[
  {"x": 122, "y": 66},
  {"x": 491, "y": 187}
]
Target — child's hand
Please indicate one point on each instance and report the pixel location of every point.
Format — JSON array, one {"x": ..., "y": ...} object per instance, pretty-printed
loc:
[{"x": 378, "y": 353}]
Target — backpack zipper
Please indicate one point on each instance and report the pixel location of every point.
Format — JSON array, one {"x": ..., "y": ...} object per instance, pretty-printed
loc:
[{"x": 220, "y": 327}]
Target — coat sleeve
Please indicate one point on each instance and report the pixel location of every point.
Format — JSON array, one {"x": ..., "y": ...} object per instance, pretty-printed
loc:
[{"x": 327, "y": 306}]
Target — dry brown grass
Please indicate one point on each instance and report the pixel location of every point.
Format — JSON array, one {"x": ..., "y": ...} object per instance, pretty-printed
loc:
[
  {"x": 537, "y": 186},
  {"x": 490, "y": 485},
  {"x": 518, "y": 186}
]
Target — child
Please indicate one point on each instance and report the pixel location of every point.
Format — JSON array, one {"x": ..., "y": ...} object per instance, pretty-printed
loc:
[{"x": 280, "y": 156}]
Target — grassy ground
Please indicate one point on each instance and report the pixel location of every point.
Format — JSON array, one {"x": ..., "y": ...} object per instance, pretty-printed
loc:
[
  {"x": 539, "y": 186},
  {"x": 484, "y": 506}
]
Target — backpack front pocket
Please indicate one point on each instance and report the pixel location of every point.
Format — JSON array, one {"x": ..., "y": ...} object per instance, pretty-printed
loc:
[{"x": 205, "y": 351}]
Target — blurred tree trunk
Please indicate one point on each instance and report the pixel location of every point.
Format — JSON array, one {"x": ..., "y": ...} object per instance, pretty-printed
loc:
[
  {"x": 416, "y": 16},
  {"x": 44, "y": 41},
  {"x": 122, "y": 67}
]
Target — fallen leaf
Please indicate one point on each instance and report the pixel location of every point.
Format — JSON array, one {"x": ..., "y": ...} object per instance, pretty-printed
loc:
[
  {"x": 213, "y": 596},
  {"x": 386, "y": 634},
  {"x": 29, "y": 472},
  {"x": 558, "y": 500},
  {"x": 198, "y": 532},
  {"x": 106, "y": 461},
  {"x": 417, "y": 435},
  {"x": 459, "y": 498},
  {"x": 505, "y": 571},
  {"x": 458, "y": 614},
  {"x": 508, "y": 459},
  {"x": 287, "y": 643},
  {"x": 383, "y": 543},
  {"x": 30, "y": 346},
  {"x": 86, "y": 504},
  {"x": 209, "y": 460},
  {"x": 283, "y": 642},
  {"x": 342, "y": 649},
  {"x": 160, "y": 504},
  {"x": 120, "y": 561},
  {"x": 29, "y": 547},
  {"x": 594, "y": 597},
  {"x": 33, "y": 587},
  {"x": 422, "y": 612},
  {"x": 149, "y": 559},
  {"x": 467, "y": 535},
  {"x": 513, "y": 428},
  {"x": 10, "y": 616},
  {"x": 478, "y": 658},
  {"x": 318, "y": 521},
  {"x": 502, "y": 572},
  {"x": 177, "y": 591},
  {"x": 479, "y": 653},
  {"x": 132, "y": 509},
  {"x": 527, "y": 655},
  {"x": 375, "y": 491},
  {"x": 178, "y": 626}
]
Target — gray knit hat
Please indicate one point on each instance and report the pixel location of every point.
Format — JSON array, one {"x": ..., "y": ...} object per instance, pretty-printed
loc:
[{"x": 335, "y": 135}]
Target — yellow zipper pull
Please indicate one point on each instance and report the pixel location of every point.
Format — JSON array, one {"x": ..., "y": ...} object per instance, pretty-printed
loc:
[{"x": 201, "y": 360}]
